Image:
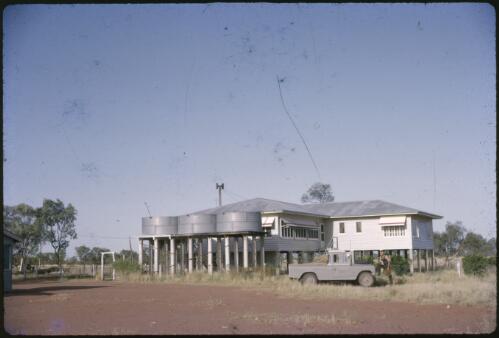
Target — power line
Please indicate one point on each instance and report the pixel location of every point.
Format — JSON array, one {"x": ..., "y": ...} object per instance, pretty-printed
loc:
[
  {"x": 102, "y": 237},
  {"x": 296, "y": 127},
  {"x": 236, "y": 195}
]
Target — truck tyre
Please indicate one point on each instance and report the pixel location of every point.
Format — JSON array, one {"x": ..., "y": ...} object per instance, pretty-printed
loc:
[
  {"x": 365, "y": 279},
  {"x": 309, "y": 278}
]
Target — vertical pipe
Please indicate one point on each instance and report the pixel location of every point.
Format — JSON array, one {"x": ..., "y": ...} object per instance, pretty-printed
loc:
[
  {"x": 150, "y": 256},
  {"x": 277, "y": 263},
  {"x": 419, "y": 259},
  {"x": 245, "y": 252},
  {"x": 210, "y": 257},
  {"x": 101, "y": 266},
  {"x": 227, "y": 254},
  {"x": 411, "y": 258},
  {"x": 218, "y": 243},
  {"x": 200, "y": 254},
  {"x": 189, "y": 253},
  {"x": 236, "y": 253},
  {"x": 141, "y": 249},
  {"x": 182, "y": 254},
  {"x": 253, "y": 252},
  {"x": 262, "y": 252},
  {"x": 172, "y": 256},
  {"x": 167, "y": 253},
  {"x": 426, "y": 260},
  {"x": 156, "y": 254}
]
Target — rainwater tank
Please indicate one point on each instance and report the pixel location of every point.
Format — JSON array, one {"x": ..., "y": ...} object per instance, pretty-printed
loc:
[
  {"x": 197, "y": 224},
  {"x": 160, "y": 225},
  {"x": 239, "y": 221}
]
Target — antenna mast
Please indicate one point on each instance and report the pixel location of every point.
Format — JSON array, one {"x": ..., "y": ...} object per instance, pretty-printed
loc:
[{"x": 219, "y": 187}]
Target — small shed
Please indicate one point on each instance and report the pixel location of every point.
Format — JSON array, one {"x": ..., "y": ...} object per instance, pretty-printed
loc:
[{"x": 9, "y": 240}]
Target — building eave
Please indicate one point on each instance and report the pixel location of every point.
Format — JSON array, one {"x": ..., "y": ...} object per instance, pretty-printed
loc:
[
  {"x": 420, "y": 213},
  {"x": 295, "y": 213}
]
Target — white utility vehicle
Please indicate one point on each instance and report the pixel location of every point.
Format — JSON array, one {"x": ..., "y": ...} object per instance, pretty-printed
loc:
[{"x": 340, "y": 267}]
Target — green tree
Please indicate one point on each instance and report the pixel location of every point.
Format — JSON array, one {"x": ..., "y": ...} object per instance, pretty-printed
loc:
[
  {"x": 474, "y": 244},
  {"x": 83, "y": 253},
  {"x": 22, "y": 221},
  {"x": 95, "y": 254},
  {"x": 454, "y": 237},
  {"x": 400, "y": 265},
  {"x": 475, "y": 265},
  {"x": 59, "y": 226},
  {"x": 440, "y": 243},
  {"x": 131, "y": 256},
  {"x": 318, "y": 193}
]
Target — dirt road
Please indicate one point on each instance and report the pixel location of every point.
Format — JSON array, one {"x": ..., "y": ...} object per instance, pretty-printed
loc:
[{"x": 94, "y": 307}]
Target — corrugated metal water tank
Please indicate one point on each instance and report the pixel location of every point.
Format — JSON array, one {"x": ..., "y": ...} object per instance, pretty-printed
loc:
[
  {"x": 239, "y": 221},
  {"x": 160, "y": 225},
  {"x": 196, "y": 224}
]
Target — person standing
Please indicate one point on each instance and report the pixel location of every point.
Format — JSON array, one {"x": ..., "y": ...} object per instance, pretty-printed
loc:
[{"x": 386, "y": 264}]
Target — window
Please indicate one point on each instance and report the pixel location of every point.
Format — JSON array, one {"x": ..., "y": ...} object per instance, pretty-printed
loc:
[
  {"x": 342, "y": 228},
  {"x": 416, "y": 231},
  {"x": 322, "y": 232},
  {"x": 292, "y": 231},
  {"x": 394, "y": 231},
  {"x": 359, "y": 226}
]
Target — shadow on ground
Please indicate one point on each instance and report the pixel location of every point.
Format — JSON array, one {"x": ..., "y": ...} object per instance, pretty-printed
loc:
[{"x": 45, "y": 290}]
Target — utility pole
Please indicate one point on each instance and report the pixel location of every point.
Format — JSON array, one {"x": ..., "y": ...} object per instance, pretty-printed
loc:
[
  {"x": 220, "y": 187},
  {"x": 131, "y": 252}
]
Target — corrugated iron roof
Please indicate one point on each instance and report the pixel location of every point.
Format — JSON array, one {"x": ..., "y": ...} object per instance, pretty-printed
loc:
[
  {"x": 334, "y": 209},
  {"x": 258, "y": 204},
  {"x": 11, "y": 235},
  {"x": 364, "y": 208}
]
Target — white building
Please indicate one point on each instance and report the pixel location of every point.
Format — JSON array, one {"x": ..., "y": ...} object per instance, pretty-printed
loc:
[
  {"x": 366, "y": 227},
  {"x": 302, "y": 230}
]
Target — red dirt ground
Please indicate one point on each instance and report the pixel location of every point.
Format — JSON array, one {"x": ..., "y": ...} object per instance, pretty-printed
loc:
[{"x": 94, "y": 307}]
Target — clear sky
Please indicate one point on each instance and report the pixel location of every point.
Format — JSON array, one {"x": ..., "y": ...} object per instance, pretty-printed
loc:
[{"x": 111, "y": 106}]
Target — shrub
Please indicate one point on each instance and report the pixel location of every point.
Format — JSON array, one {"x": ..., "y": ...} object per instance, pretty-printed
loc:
[
  {"x": 475, "y": 265},
  {"x": 400, "y": 265},
  {"x": 125, "y": 267},
  {"x": 491, "y": 260}
]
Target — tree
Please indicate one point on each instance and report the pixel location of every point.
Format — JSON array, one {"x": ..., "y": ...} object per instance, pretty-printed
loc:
[
  {"x": 83, "y": 253},
  {"x": 22, "y": 221},
  {"x": 95, "y": 254},
  {"x": 58, "y": 224},
  {"x": 440, "y": 243},
  {"x": 318, "y": 193},
  {"x": 454, "y": 237},
  {"x": 476, "y": 244},
  {"x": 131, "y": 256}
]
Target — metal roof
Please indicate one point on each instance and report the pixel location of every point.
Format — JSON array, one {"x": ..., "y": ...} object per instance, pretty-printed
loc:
[
  {"x": 326, "y": 210},
  {"x": 364, "y": 208},
  {"x": 261, "y": 205},
  {"x": 11, "y": 235}
]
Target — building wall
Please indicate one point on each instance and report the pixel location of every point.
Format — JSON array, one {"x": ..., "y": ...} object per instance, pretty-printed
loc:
[
  {"x": 278, "y": 243},
  {"x": 422, "y": 232},
  {"x": 372, "y": 236}
]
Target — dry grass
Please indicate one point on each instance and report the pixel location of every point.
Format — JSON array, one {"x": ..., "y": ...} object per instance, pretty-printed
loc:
[
  {"x": 441, "y": 287},
  {"x": 296, "y": 319}
]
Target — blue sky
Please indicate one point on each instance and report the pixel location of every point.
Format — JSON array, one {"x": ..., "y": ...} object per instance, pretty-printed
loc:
[{"x": 111, "y": 106}]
